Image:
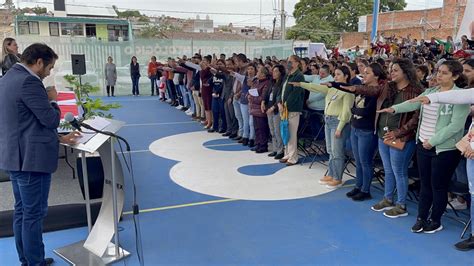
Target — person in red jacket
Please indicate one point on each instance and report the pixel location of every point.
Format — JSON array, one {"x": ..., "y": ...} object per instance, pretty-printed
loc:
[{"x": 152, "y": 74}]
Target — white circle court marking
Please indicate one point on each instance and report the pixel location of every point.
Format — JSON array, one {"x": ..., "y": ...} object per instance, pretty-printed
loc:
[{"x": 214, "y": 172}]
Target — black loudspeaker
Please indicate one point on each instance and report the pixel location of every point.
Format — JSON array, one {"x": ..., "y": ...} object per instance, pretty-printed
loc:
[
  {"x": 78, "y": 64},
  {"x": 95, "y": 174}
]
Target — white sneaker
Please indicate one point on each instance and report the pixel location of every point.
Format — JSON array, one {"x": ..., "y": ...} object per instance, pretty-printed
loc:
[
  {"x": 179, "y": 106},
  {"x": 457, "y": 205},
  {"x": 168, "y": 100},
  {"x": 189, "y": 113}
]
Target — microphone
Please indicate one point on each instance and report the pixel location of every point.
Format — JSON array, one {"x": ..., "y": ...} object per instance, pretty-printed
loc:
[{"x": 69, "y": 117}]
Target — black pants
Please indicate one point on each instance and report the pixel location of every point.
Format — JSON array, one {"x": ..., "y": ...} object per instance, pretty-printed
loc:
[
  {"x": 261, "y": 132},
  {"x": 109, "y": 88},
  {"x": 435, "y": 171}
]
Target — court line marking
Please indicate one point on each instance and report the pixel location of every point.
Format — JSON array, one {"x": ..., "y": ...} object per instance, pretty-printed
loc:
[
  {"x": 158, "y": 124},
  {"x": 220, "y": 145},
  {"x": 137, "y": 151},
  {"x": 183, "y": 206}
]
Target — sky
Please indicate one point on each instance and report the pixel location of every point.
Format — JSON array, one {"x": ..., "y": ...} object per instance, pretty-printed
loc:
[{"x": 248, "y": 10}]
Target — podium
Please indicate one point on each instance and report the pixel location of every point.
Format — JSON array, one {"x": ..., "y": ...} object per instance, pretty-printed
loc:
[{"x": 97, "y": 249}]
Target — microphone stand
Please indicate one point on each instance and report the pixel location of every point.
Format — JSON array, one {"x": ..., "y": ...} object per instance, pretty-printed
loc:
[{"x": 114, "y": 190}]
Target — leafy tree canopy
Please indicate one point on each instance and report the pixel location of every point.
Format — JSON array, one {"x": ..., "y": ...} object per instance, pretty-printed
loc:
[{"x": 323, "y": 20}]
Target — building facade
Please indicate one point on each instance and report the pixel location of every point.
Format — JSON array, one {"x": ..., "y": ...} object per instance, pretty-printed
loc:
[{"x": 420, "y": 24}]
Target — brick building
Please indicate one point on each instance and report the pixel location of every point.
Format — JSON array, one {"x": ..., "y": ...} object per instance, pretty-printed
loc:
[{"x": 421, "y": 24}]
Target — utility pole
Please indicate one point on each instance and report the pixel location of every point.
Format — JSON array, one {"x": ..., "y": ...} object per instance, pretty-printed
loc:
[
  {"x": 273, "y": 30},
  {"x": 283, "y": 20},
  {"x": 375, "y": 20}
]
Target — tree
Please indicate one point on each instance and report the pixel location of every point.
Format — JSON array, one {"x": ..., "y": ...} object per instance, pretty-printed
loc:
[
  {"x": 9, "y": 5},
  {"x": 324, "y": 20},
  {"x": 158, "y": 31}
]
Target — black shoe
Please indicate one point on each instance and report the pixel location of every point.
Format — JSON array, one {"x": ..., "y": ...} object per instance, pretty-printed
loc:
[
  {"x": 361, "y": 196},
  {"x": 184, "y": 109},
  {"x": 222, "y": 132},
  {"x": 48, "y": 261},
  {"x": 227, "y": 134},
  {"x": 279, "y": 156},
  {"x": 235, "y": 137},
  {"x": 352, "y": 193},
  {"x": 245, "y": 141},
  {"x": 251, "y": 143},
  {"x": 465, "y": 245},
  {"x": 262, "y": 151},
  {"x": 211, "y": 130},
  {"x": 432, "y": 227},
  {"x": 254, "y": 148},
  {"x": 419, "y": 225},
  {"x": 273, "y": 154}
]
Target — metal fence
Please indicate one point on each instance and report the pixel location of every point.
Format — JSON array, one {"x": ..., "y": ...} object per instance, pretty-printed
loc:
[{"x": 96, "y": 53}]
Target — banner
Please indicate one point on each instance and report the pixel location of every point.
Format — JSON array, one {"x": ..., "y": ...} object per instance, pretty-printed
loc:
[{"x": 467, "y": 24}]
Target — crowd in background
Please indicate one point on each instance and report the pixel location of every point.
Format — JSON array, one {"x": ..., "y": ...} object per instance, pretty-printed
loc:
[
  {"x": 369, "y": 101},
  {"x": 401, "y": 99}
]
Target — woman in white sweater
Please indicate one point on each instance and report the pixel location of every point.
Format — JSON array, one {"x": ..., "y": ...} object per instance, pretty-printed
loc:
[{"x": 461, "y": 97}]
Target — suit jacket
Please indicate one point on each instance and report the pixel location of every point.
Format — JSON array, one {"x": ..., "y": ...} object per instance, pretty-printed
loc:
[{"x": 28, "y": 124}]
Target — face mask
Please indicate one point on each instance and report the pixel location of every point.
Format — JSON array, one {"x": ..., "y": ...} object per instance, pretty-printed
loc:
[{"x": 290, "y": 65}]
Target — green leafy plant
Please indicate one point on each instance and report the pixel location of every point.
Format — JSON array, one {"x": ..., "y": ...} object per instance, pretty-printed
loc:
[{"x": 92, "y": 107}]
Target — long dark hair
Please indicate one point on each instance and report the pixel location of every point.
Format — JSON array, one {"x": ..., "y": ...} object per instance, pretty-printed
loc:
[
  {"x": 470, "y": 62},
  {"x": 378, "y": 71},
  {"x": 346, "y": 72},
  {"x": 409, "y": 71},
  {"x": 131, "y": 60},
  {"x": 282, "y": 71},
  {"x": 456, "y": 69}
]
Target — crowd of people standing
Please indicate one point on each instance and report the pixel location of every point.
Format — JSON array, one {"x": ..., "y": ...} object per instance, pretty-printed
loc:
[{"x": 373, "y": 102}]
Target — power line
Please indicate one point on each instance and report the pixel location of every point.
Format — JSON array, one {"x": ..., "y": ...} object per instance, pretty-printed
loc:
[{"x": 166, "y": 11}]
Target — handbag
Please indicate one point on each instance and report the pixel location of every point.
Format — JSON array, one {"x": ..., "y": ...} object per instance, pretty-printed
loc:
[
  {"x": 396, "y": 143},
  {"x": 284, "y": 131},
  {"x": 464, "y": 143}
]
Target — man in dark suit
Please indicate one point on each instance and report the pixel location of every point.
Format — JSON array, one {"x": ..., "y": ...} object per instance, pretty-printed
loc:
[{"x": 29, "y": 143}]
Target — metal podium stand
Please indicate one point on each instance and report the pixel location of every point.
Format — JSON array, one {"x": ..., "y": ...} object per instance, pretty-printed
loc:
[{"x": 97, "y": 248}]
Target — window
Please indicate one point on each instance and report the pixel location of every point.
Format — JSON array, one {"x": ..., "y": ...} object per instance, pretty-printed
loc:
[
  {"x": 91, "y": 30},
  {"x": 53, "y": 29},
  {"x": 73, "y": 29},
  {"x": 116, "y": 31},
  {"x": 28, "y": 27}
]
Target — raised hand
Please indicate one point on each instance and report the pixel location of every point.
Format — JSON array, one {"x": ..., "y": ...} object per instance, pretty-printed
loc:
[
  {"x": 349, "y": 88},
  {"x": 421, "y": 99},
  {"x": 389, "y": 110},
  {"x": 296, "y": 84}
]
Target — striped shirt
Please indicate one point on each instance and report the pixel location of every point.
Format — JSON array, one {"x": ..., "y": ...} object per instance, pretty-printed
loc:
[{"x": 429, "y": 117}]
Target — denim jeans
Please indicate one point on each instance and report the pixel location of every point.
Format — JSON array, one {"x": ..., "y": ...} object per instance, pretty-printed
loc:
[
  {"x": 179, "y": 94},
  {"x": 31, "y": 192},
  {"x": 395, "y": 165},
  {"x": 238, "y": 116},
  {"x": 153, "y": 85},
  {"x": 135, "y": 80},
  {"x": 171, "y": 90},
  {"x": 251, "y": 126},
  {"x": 218, "y": 114},
  {"x": 244, "y": 108},
  {"x": 192, "y": 106},
  {"x": 335, "y": 147},
  {"x": 232, "y": 124},
  {"x": 182, "y": 88},
  {"x": 274, "y": 125},
  {"x": 470, "y": 178},
  {"x": 364, "y": 143}
]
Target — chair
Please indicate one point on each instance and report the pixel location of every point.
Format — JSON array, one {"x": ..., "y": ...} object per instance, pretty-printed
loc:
[{"x": 306, "y": 137}]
